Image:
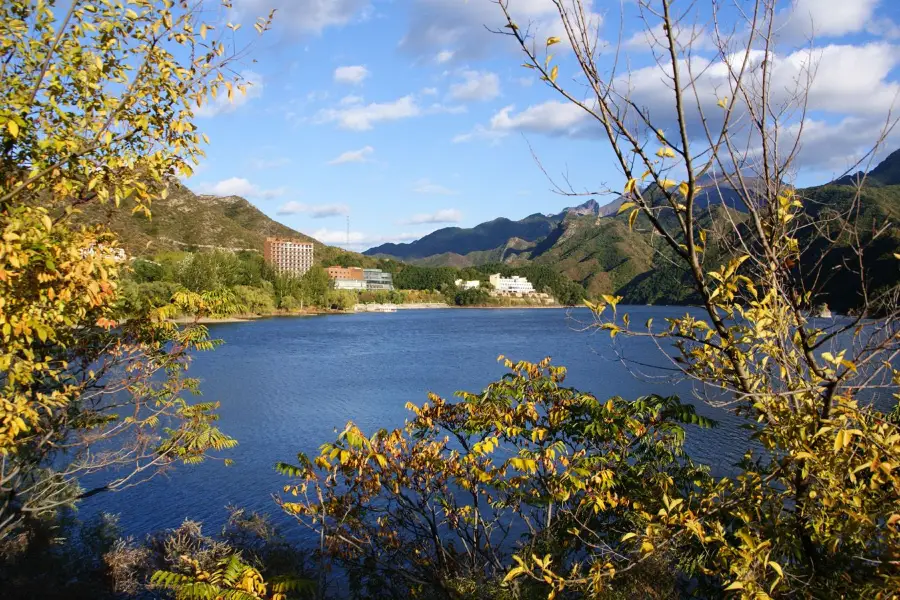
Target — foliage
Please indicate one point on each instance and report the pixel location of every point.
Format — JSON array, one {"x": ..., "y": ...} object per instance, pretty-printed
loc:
[
  {"x": 97, "y": 106},
  {"x": 315, "y": 285},
  {"x": 255, "y": 300},
  {"x": 812, "y": 509},
  {"x": 340, "y": 300},
  {"x": 412, "y": 277},
  {"x": 231, "y": 579},
  {"x": 438, "y": 508},
  {"x": 471, "y": 297},
  {"x": 543, "y": 278},
  {"x": 91, "y": 560}
]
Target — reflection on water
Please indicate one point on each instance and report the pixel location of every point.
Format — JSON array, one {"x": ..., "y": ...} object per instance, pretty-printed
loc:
[{"x": 287, "y": 384}]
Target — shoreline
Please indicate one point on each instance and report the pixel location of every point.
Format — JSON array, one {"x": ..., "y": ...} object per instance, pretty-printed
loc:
[{"x": 250, "y": 318}]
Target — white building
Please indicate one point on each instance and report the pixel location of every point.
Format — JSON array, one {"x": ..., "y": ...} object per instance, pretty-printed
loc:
[
  {"x": 350, "y": 284},
  {"x": 117, "y": 254},
  {"x": 512, "y": 285},
  {"x": 468, "y": 285}
]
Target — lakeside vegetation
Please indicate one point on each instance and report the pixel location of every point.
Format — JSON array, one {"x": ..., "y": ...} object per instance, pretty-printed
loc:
[
  {"x": 257, "y": 289},
  {"x": 99, "y": 107}
]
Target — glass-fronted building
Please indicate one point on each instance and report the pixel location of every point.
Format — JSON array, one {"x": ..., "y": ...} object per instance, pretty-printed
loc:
[{"x": 376, "y": 279}]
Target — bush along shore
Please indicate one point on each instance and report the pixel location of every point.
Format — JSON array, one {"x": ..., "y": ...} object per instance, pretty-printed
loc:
[{"x": 254, "y": 289}]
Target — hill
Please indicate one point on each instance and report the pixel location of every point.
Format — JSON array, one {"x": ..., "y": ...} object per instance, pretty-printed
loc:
[
  {"x": 491, "y": 237},
  {"x": 887, "y": 173},
  {"x": 592, "y": 245},
  {"x": 184, "y": 220}
]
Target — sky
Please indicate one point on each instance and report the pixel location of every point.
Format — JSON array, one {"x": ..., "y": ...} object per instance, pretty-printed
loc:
[{"x": 409, "y": 115}]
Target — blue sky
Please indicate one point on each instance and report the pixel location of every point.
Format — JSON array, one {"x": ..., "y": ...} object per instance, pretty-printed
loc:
[{"x": 409, "y": 116}]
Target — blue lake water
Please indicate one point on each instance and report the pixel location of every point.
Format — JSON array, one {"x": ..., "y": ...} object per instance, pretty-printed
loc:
[{"x": 286, "y": 384}]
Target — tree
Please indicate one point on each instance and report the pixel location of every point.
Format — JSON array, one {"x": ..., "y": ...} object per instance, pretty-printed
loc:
[
  {"x": 315, "y": 285},
  {"x": 97, "y": 105},
  {"x": 813, "y": 511},
  {"x": 232, "y": 578},
  {"x": 438, "y": 509}
]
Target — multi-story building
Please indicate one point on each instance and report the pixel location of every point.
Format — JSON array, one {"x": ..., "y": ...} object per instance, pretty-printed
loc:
[
  {"x": 376, "y": 279},
  {"x": 472, "y": 284},
  {"x": 287, "y": 255},
  {"x": 511, "y": 285},
  {"x": 345, "y": 273}
]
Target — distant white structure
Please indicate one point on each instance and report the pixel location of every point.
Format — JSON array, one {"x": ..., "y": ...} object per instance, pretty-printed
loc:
[
  {"x": 511, "y": 285},
  {"x": 116, "y": 254},
  {"x": 350, "y": 284},
  {"x": 473, "y": 284}
]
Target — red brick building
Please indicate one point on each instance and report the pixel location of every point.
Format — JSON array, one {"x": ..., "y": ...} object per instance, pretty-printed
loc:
[
  {"x": 345, "y": 273},
  {"x": 288, "y": 256}
]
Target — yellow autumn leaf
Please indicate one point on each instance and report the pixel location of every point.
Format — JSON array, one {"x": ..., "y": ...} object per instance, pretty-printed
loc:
[
  {"x": 625, "y": 206},
  {"x": 13, "y": 128},
  {"x": 665, "y": 152},
  {"x": 552, "y": 40},
  {"x": 632, "y": 218},
  {"x": 723, "y": 102},
  {"x": 666, "y": 183},
  {"x": 553, "y": 73}
]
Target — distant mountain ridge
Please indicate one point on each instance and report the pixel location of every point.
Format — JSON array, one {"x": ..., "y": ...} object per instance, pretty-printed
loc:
[
  {"x": 593, "y": 245},
  {"x": 886, "y": 173},
  {"x": 487, "y": 236}
]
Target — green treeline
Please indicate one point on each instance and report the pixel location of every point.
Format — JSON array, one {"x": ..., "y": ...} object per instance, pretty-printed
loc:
[
  {"x": 542, "y": 277},
  {"x": 259, "y": 289}
]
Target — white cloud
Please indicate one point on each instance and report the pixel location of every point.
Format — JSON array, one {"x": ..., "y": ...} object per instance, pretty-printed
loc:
[
  {"x": 552, "y": 118},
  {"x": 834, "y": 147},
  {"x": 450, "y": 109},
  {"x": 317, "y": 211},
  {"x": 444, "y": 56},
  {"x": 425, "y": 186},
  {"x": 351, "y": 99},
  {"x": 695, "y": 38},
  {"x": 884, "y": 28},
  {"x": 447, "y": 215},
  {"x": 305, "y": 16},
  {"x": 480, "y": 132},
  {"x": 221, "y": 104},
  {"x": 238, "y": 186},
  {"x": 269, "y": 163},
  {"x": 361, "y": 155},
  {"x": 429, "y": 91},
  {"x": 353, "y": 75},
  {"x": 437, "y": 26},
  {"x": 476, "y": 86},
  {"x": 361, "y": 117},
  {"x": 806, "y": 19},
  {"x": 849, "y": 80}
]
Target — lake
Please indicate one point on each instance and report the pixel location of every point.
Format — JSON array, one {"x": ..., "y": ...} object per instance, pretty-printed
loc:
[{"x": 286, "y": 384}]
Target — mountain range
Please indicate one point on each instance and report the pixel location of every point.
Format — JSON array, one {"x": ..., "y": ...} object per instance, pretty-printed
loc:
[
  {"x": 595, "y": 247},
  {"x": 589, "y": 244}
]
